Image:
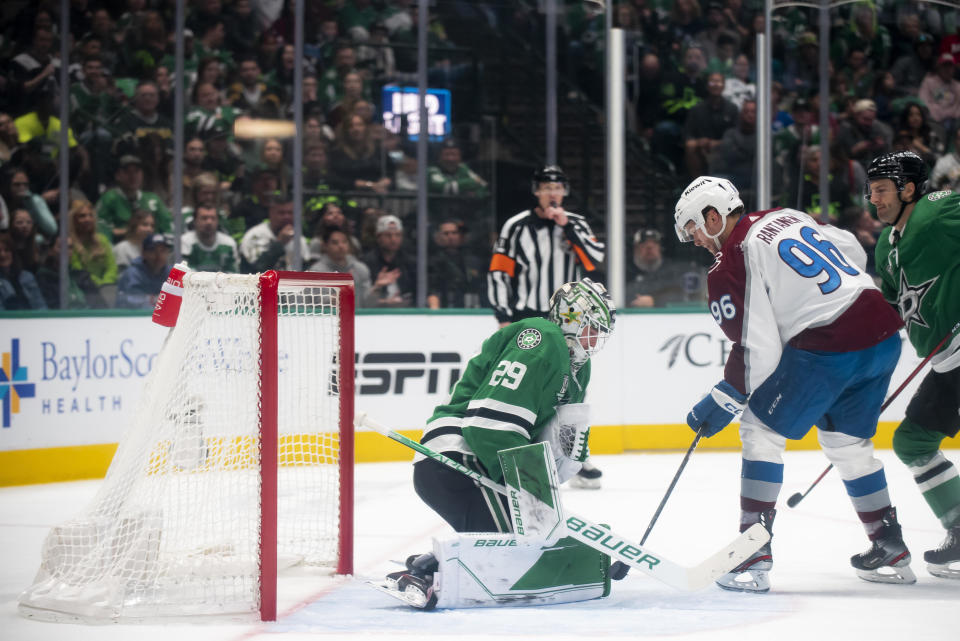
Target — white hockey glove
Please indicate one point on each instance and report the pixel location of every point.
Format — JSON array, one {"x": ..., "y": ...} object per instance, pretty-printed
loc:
[{"x": 568, "y": 433}]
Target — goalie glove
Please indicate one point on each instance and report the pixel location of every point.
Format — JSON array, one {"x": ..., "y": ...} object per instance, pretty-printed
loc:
[
  {"x": 715, "y": 410},
  {"x": 568, "y": 433}
]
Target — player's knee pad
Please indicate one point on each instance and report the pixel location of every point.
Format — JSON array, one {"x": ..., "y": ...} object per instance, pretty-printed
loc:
[
  {"x": 914, "y": 444},
  {"x": 851, "y": 455},
  {"x": 760, "y": 443},
  {"x": 483, "y": 570}
]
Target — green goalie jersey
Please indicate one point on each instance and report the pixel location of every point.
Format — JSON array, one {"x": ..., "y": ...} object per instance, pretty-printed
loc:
[
  {"x": 921, "y": 273},
  {"x": 507, "y": 394}
]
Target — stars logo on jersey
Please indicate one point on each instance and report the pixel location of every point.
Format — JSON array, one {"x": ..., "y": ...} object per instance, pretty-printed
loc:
[
  {"x": 911, "y": 300},
  {"x": 529, "y": 338}
]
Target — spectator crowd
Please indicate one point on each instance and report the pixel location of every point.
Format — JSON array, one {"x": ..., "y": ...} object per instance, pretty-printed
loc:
[
  {"x": 237, "y": 213},
  {"x": 691, "y": 80},
  {"x": 893, "y": 84}
]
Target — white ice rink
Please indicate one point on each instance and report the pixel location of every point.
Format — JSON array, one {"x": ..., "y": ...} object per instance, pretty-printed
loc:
[{"x": 815, "y": 596}]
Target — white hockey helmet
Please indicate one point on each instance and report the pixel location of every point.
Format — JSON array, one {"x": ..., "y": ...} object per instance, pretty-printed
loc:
[
  {"x": 586, "y": 315},
  {"x": 699, "y": 196}
]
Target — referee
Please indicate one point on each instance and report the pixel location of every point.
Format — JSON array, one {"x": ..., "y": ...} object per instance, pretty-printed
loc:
[{"x": 539, "y": 250}]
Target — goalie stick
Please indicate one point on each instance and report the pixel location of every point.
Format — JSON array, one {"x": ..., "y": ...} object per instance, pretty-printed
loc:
[{"x": 603, "y": 539}]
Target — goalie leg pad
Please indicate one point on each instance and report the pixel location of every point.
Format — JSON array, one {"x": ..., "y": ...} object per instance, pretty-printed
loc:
[
  {"x": 487, "y": 570},
  {"x": 533, "y": 492}
]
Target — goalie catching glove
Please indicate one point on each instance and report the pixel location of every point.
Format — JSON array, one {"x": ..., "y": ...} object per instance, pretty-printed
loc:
[
  {"x": 568, "y": 433},
  {"x": 715, "y": 410}
]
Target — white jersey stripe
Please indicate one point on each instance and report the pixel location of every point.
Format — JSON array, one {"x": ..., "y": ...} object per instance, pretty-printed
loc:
[{"x": 491, "y": 424}]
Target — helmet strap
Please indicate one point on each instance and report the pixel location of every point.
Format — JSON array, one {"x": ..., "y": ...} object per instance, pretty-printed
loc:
[
  {"x": 903, "y": 204},
  {"x": 715, "y": 237}
]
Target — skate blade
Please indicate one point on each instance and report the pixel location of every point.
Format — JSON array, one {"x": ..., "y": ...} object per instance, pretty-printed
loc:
[
  {"x": 750, "y": 581},
  {"x": 945, "y": 570},
  {"x": 413, "y": 598},
  {"x": 585, "y": 484},
  {"x": 889, "y": 574}
]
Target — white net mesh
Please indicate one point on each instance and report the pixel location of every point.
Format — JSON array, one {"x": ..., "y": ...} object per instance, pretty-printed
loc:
[{"x": 175, "y": 527}]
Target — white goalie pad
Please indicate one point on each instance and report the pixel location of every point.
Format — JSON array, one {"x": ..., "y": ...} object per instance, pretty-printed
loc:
[
  {"x": 533, "y": 491},
  {"x": 486, "y": 570}
]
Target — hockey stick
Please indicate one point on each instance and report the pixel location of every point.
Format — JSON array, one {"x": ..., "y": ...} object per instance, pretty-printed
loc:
[
  {"x": 603, "y": 539},
  {"x": 795, "y": 499},
  {"x": 619, "y": 570}
]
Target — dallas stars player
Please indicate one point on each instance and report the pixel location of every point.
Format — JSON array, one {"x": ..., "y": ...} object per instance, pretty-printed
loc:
[
  {"x": 526, "y": 385},
  {"x": 919, "y": 264}
]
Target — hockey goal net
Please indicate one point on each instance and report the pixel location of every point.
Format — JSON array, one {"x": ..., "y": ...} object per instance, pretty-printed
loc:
[{"x": 239, "y": 456}]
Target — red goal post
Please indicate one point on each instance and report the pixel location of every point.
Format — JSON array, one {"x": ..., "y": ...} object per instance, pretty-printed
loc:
[{"x": 270, "y": 309}]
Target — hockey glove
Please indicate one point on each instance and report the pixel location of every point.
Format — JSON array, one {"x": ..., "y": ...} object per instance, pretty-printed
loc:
[
  {"x": 715, "y": 410},
  {"x": 574, "y": 420},
  {"x": 568, "y": 433}
]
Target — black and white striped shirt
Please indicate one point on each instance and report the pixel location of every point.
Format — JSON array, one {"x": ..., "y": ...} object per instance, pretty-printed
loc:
[{"x": 533, "y": 257}]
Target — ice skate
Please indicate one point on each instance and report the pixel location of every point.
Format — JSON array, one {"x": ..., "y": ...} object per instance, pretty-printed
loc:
[
  {"x": 944, "y": 561},
  {"x": 588, "y": 478},
  {"x": 888, "y": 559},
  {"x": 753, "y": 574},
  {"x": 413, "y": 586},
  {"x": 414, "y": 591}
]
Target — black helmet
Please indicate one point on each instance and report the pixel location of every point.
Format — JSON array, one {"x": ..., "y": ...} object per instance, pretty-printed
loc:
[
  {"x": 901, "y": 167},
  {"x": 550, "y": 174}
]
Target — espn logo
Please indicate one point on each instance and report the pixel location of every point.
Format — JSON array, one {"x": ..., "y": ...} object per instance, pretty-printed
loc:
[{"x": 392, "y": 372}]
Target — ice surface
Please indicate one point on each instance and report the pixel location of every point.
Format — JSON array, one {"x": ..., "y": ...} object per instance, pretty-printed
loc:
[{"x": 815, "y": 594}]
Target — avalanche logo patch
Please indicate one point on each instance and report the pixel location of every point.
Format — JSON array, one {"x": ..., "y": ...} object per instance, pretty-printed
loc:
[{"x": 529, "y": 338}]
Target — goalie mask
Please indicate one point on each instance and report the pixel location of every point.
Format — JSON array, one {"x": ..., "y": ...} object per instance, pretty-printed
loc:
[
  {"x": 699, "y": 196},
  {"x": 586, "y": 316}
]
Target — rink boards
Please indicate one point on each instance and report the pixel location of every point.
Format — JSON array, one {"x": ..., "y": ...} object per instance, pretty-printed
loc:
[{"x": 69, "y": 383}]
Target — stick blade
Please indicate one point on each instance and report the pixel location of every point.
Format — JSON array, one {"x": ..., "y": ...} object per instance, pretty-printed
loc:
[
  {"x": 794, "y": 499},
  {"x": 735, "y": 553}
]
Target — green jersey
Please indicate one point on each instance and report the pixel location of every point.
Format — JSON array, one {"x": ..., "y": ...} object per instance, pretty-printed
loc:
[
  {"x": 114, "y": 210},
  {"x": 221, "y": 256},
  {"x": 462, "y": 182},
  {"x": 507, "y": 394},
  {"x": 921, "y": 272}
]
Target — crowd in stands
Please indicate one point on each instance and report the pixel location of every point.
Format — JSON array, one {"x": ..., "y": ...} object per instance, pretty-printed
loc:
[
  {"x": 691, "y": 79},
  {"x": 893, "y": 82},
  {"x": 237, "y": 213}
]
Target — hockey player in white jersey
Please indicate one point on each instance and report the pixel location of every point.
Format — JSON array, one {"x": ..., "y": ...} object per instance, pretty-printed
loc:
[{"x": 814, "y": 343}]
